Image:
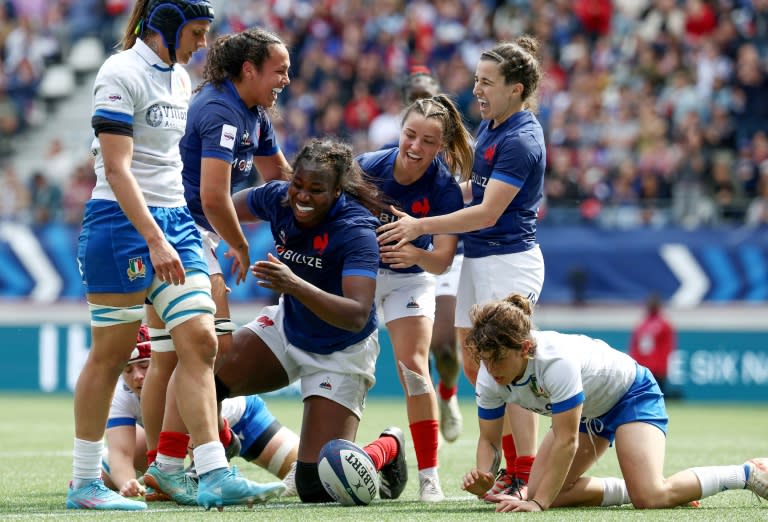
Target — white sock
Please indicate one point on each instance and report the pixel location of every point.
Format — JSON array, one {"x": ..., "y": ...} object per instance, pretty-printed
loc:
[
  {"x": 714, "y": 479},
  {"x": 169, "y": 464},
  {"x": 209, "y": 456},
  {"x": 86, "y": 462},
  {"x": 614, "y": 492}
]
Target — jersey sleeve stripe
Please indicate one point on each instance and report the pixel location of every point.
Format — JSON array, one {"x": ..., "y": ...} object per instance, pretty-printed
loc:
[
  {"x": 568, "y": 404},
  {"x": 490, "y": 414},
  {"x": 358, "y": 272},
  {"x": 506, "y": 179},
  {"x": 121, "y": 421},
  {"x": 113, "y": 115}
]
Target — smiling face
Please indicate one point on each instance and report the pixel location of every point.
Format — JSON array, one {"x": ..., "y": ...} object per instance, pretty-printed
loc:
[
  {"x": 311, "y": 195},
  {"x": 421, "y": 139},
  {"x": 263, "y": 84},
  {"x": 498, "y": 101},
  {"x": 133, "y": 375},
  {"x": 193, "y": 38}
]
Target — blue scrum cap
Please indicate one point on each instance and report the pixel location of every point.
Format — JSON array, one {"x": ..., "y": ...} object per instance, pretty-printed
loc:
[{"x": 167, "y": 17}]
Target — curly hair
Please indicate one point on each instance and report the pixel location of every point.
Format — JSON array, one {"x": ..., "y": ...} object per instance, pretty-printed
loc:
[
  {"x": 228, "y": 53},
  {"x": 498, "y": 327},
  {"x": 336, "y": 158}
]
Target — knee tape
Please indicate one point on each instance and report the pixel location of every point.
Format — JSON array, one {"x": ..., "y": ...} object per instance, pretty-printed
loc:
[
  {"x": 161, "y": 340},
  {"x": 614, "y": 492},
  {"x": 102, "y": 315},
  {"x": 278, "y": 458},
  {"x": 178, "y": 303},
  {"x": 415, "y": 384},
  {"x": 224, "y": 326},
  {"x": 308, "y": 483}
]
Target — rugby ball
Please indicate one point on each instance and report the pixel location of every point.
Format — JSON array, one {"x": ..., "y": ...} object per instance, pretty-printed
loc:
[{"x": 347, "y": 473}]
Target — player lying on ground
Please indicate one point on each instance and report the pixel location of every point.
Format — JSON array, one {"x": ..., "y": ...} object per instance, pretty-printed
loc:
[{"x": 263, "y": 440}]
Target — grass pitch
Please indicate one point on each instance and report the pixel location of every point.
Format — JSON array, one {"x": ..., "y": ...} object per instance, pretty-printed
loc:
[{"x": 36, "y": 443}]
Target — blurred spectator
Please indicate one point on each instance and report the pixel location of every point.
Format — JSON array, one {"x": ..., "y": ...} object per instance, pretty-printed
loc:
[
  {"x": 664, "y": 84},
  {"x": 59, "y": 163},
  {"x": 45, "y": 200},
  {"x": 77, "y": 192},
  {"x": 9, "y": 124},
  {"x": 653, "y": 341},
  {"x": 14, "y": 198},
  {"x": 757, "y": 211}
]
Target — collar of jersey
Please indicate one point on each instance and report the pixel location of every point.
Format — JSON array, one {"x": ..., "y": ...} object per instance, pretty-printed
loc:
[
  {"x": 340, "y": 202},
  {"x": 233, "y": 93},
  {"x": 150, "y": 57}
]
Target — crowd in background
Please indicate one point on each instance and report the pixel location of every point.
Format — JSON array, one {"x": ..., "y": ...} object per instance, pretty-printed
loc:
[{"x": 655, "y": 111}]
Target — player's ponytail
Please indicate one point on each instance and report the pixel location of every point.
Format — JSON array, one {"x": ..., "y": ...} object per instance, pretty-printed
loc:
[{"x": 135, "y": 27}]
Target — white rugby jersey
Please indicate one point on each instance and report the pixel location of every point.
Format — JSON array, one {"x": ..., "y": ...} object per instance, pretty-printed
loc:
[
  {"x": 567, "y": 370},
  {"x": 125, "y": 409},
  {"x": 136, "y": 87},
  {"x": 233, "y": 409}
]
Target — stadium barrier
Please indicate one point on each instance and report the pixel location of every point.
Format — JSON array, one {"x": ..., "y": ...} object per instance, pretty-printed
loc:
[
  {"x": 722, "y": 356},
  {"x": 583, "y": 265}
]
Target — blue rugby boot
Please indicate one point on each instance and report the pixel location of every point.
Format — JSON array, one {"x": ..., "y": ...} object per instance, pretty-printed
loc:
[{"x": 95, "y": 495}]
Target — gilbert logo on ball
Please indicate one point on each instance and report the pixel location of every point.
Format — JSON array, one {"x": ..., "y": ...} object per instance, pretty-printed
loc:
[{"x": 347, "y": 473}]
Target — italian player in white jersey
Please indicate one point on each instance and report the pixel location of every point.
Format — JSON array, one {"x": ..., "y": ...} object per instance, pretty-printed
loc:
[
  {"x": 264, "y": 441},
  {"x": 228, "y": 132},
  {"x": 596, "y": 397},
  {"x": 139, "y": 243}
]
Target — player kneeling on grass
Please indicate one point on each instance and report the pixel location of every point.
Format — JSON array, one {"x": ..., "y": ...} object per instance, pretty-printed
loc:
[
  {"x": 263, "y": 440},
  {"x": 324, "y": 330},
  {"x": 595, "y": 395}
]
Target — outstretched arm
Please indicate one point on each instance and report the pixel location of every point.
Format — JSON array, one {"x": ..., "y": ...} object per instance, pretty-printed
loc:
[
  {"x": 121, "y": 442},
  {"x": 498, "y": 195}
]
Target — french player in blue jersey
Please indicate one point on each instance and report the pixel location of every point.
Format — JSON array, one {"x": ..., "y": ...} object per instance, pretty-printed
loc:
[
  {"x": 228, "y": 132},
  {"x": 596, "y": 397},
  {"x": 501, "y": 255},
  {"x": 413, "y": 177},
  {"x": 324, "y": 329},
  {"x": 139, "y": 243},
  {"x": 444, "y": 348}
]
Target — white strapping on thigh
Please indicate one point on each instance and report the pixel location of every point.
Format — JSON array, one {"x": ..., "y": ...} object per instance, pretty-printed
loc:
[
  {"x": 103, "y": 315},
  {"x": 176, "y": 304}
]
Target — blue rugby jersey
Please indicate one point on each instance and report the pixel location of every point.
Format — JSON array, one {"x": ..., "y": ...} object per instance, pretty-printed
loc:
[
  {"x": 434, "y": 194},
  {"x": 514, "y": 153},
  {"x": 221, "y": 126},
  {"x": 343, "y": 245}
]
